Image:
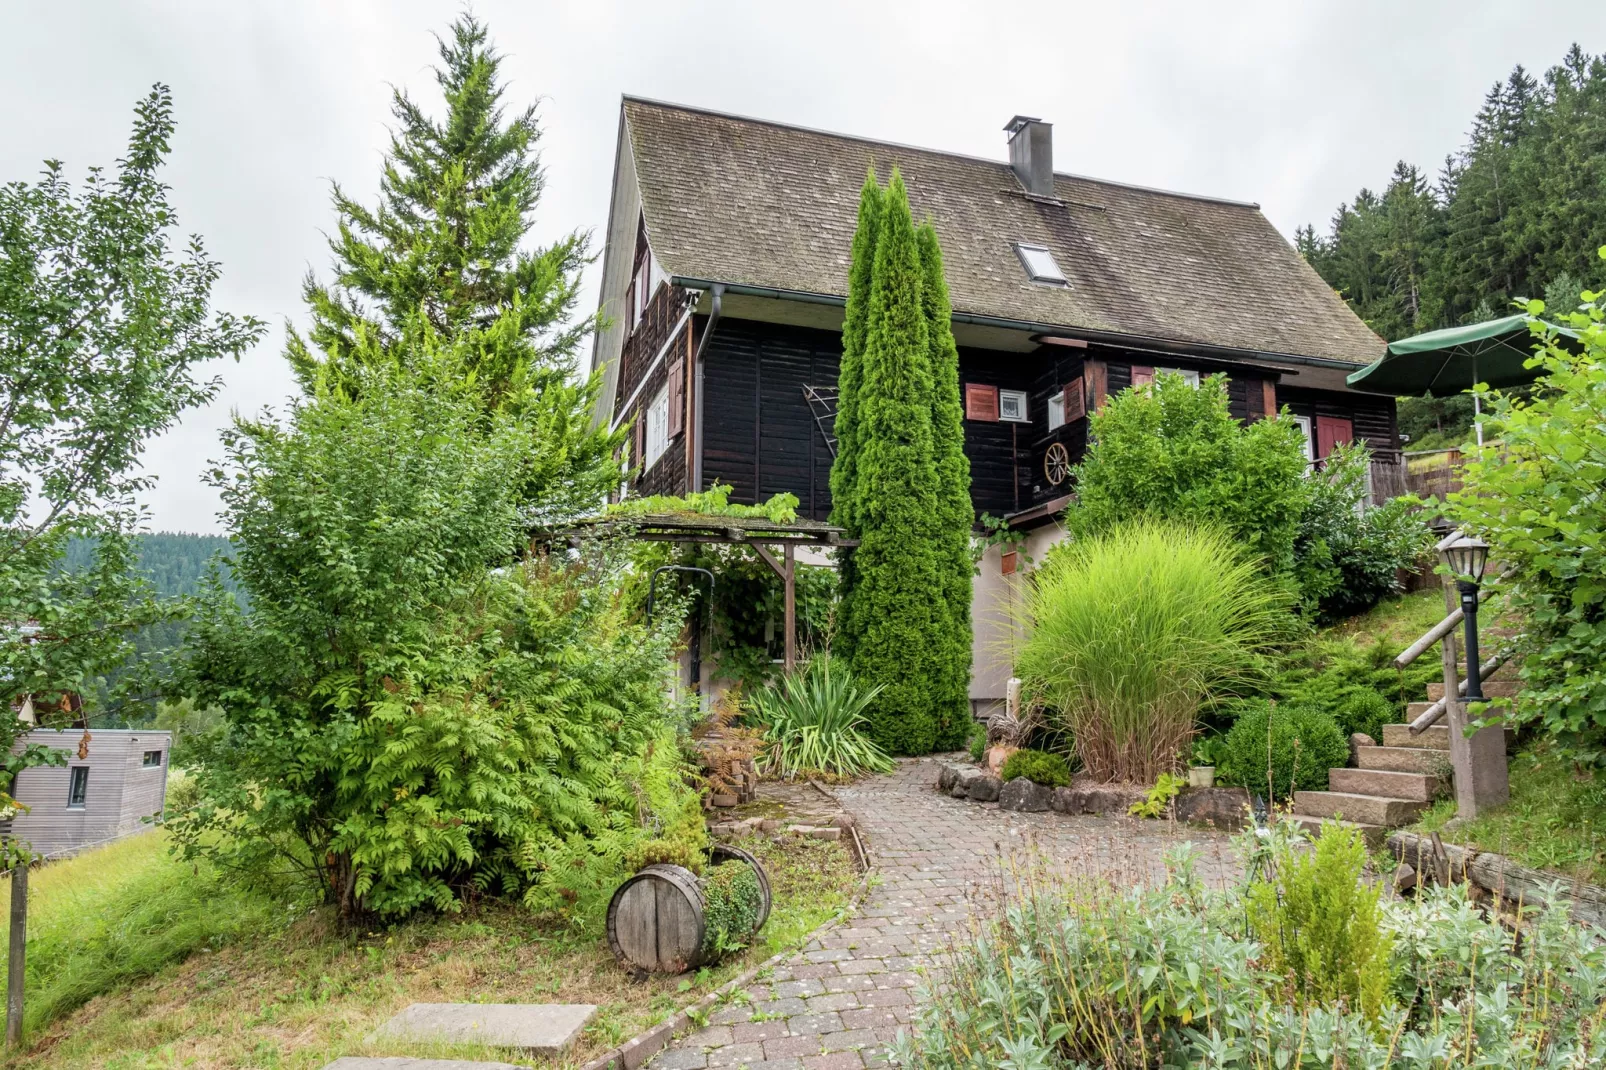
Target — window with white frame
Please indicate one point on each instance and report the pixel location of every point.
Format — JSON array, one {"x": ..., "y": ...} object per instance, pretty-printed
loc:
[
  {"x": 1012, "y": 406},
  {"x": 1309, "y": 445},
  {"x": 1056, "y": 410},
  {"x": 1189, "y": 375},
  {"x": 657, "y": 428}
]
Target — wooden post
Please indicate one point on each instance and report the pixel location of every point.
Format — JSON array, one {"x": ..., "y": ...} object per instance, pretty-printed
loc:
[
  {"x": 789, "y": 578},
  {"x": 16, "y": 968}
]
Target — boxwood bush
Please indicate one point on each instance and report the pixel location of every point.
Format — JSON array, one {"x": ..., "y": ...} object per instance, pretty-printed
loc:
[
  {"x": 1039, "y": 767},
  {"x": 1296, "y": 744}
]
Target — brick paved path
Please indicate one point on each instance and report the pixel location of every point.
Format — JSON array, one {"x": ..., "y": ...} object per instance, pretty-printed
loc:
[{"x": 838, "y": 1001}]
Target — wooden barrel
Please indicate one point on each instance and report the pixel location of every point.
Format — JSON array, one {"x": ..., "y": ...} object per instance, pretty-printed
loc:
[
  {"x": 655, "y": 920},
  {"x": 724, "y": 852}
]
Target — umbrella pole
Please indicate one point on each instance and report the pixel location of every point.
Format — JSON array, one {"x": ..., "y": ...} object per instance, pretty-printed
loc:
[{"x": 1477, "y": 419}]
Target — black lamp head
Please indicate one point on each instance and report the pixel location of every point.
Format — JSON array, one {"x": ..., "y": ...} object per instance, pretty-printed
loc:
[{"x": 1467, "y": 556}]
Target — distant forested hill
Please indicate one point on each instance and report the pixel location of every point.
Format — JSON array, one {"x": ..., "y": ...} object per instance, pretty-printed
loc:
[
  {"x": 1518, "y": 211},
  {"x": 175, "y": 562}
]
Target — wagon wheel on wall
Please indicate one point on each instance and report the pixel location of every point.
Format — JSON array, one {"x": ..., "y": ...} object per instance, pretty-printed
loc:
[{"x": 1057, "y": 464}]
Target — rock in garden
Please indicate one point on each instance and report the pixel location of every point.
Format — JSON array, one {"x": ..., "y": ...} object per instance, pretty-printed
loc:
[
  {"x": 962, "y": 778},
  {"x": 1404, "y": 878},
  {"x": 1066, "y": 801},
  {"x": 946, "y": 775},
  {"x": 1222, "y": 807},
  {"x": 984, "y": 788},
  {"x": 1025, "y": 795}
]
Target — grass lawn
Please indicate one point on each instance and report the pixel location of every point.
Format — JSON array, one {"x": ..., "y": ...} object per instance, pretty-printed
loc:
[
  {"x": 1555, "y": 821},
  {"x": 168, "y": 967}
]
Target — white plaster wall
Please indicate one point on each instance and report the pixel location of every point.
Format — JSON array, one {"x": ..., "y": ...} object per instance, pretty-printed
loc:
[{"x": 994, "y": 607}]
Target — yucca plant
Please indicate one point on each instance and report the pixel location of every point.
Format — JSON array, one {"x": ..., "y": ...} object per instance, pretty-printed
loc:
[
  {"x": 1130, "y": 631},
  {"x": 812, "y": 723}
]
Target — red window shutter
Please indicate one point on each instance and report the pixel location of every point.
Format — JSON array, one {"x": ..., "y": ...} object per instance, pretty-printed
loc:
[
  {"x": 1268, "y": 398},
  {"x": 981, "y": 402},
  {"x": 677, "y": 395},
  {"x": 1332, "y": 431},
  {"x": 1142, "y": 374},
  {"x": 1008, "y": 561},
  {"x": 1075, "y": 400}
]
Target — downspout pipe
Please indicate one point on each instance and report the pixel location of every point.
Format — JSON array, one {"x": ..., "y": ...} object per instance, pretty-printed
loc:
[{"x": 714, "y": 311}]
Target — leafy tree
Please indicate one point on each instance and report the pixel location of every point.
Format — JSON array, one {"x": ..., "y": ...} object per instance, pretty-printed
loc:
[
  {"x": 103, "y": 328},
  {"x": 1173, "y": 452},
  {"x": 898, "y": 626},
  {"x": 405, "y": 721},
  {"x": 1537, "y": 500},
  {"x": 441, "y": 256}
]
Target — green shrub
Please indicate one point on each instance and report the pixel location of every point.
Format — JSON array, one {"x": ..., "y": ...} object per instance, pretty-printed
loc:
[
  {"x": 1039, "y": 767},
  {"x": 1158, "y": 800},
  {"x": 1294, "y": 745},
  {"x": 1536, "y": 498},
  {"x": 1320, "y": 926},
  {"x": 1175, "y": 453},
  {"x": 1347, "y": 554},
  {"x": 812, "y": 723},
  {"x": 1084, "y": 974},
  {"x": 977, "y": 743},
  {"x": 1332, "y": 673},
  {"x": 1367, "y": 712},
  {"x": 731, "y": 904},
  {"x": 1129, "y": 632}
]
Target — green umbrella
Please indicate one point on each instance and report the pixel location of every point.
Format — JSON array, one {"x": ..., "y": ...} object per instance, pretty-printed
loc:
[{"x": 1456, "y": 359}]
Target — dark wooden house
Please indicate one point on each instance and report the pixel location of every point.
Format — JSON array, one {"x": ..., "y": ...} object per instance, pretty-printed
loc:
[{"x": 725, "y": 272}]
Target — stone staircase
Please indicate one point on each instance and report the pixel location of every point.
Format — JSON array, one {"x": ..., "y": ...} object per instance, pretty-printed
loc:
[{"x": 1391, "y": 784}]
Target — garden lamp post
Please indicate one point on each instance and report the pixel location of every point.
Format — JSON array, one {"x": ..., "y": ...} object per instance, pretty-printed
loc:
[{"x": 1467, "y": 555}]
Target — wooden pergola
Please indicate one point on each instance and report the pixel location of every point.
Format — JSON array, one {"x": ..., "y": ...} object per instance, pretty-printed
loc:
[{"x": 761, "y": 533}]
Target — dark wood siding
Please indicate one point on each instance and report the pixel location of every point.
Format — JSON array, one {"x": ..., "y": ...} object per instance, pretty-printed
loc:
[{"x": 1372, "y": 416}]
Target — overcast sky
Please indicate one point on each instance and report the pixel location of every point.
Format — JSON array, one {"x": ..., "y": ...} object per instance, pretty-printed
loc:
[{"x": 1293, "y": 105}]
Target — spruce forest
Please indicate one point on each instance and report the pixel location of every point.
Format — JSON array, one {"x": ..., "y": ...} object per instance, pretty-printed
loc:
[{"x": 1516, "y": 212}]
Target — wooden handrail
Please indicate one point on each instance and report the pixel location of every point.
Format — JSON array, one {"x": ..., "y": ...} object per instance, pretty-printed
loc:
[{"x": 1435, "y": 711}]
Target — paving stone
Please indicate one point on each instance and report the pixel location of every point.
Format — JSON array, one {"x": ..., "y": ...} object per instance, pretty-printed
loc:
[
  {"x": 538, "y": 1028},
  {"x": 847, "y": 994}
]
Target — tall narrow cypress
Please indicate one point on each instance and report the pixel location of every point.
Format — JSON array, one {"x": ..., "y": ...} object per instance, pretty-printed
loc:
[
  {"x": 956, "y": 516},
  {"x": 896, "y": 620},
  {"x": 844, "y": 468}
]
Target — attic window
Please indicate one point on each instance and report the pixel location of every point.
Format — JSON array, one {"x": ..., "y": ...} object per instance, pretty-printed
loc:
[{"x": 1039, "y": 264}]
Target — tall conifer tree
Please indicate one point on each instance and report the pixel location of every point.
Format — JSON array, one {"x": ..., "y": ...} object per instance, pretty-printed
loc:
[
  {"x": 956, "y": 516},
  {"x": 436, "y": 280},
  {"x": 897, "y": 622},
  {"x": 844, "y": 469}
]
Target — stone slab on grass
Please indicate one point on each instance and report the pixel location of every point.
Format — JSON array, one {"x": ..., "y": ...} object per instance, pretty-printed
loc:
[
  {"x": 536, "y": 1028},
  {"x": 355, "y": 1062}
]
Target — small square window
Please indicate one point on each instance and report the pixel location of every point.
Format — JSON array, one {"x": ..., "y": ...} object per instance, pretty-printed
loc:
[
  {"x": 151, "y": 758},
  {"x": 77, "y": 787},
  {"x": 1039, "y": 264},
  {"x": 1012, "y": 406},
  {"x": 1189, "y": 375},
  {"x": 1056, "y": 411}
]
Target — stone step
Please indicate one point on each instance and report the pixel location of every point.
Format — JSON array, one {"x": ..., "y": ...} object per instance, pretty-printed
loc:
[
  {"x": 1388, "y": 784},
  {"x": 1492, "y": 690},
  {"x": 1374, "y": 835},
  {"x": 1365, "y": 809},
  {"x": 535, "y": 1028},
  {"x": 1403, "y": 760},
  {"x": 392, "y": 1062},
  {"x": 1434, "y": 737}
]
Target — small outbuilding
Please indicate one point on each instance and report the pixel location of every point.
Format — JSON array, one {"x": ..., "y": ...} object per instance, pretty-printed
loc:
[{"x": 113, "y": 785}]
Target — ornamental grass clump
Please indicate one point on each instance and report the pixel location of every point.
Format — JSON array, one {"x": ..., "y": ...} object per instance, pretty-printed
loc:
[
  {"x": 813, "y": 724},
  {"x": 1129, "y": 632}
]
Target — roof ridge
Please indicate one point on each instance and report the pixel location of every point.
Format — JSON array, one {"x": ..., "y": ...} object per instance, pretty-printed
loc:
[{"x": 1001, "y": 164}]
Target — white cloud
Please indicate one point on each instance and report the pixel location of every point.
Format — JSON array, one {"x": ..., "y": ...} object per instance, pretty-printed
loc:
[{"x": 1295, "y": 106}]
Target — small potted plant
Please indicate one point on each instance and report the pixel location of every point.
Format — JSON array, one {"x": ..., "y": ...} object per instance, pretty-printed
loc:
[{"x": 1202, "y": 771}]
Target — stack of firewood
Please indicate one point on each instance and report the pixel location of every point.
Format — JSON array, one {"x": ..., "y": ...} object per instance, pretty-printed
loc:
[{"x": 727, "y": 753}]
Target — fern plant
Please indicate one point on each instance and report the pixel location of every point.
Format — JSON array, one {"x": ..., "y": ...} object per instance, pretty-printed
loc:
[{"x": 813, "y": 724}]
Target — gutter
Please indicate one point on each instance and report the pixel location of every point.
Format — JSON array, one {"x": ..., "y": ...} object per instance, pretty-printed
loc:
[
  {"x": 697, "y": 384},
  {"x": 1126, "y": 341}
]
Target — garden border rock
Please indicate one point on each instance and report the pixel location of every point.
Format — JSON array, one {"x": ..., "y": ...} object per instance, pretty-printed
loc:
[{"x": 1222, "y": 808}]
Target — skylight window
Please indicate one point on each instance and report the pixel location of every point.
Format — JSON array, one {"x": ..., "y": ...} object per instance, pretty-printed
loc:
[{"x": 1039, "y": 264}]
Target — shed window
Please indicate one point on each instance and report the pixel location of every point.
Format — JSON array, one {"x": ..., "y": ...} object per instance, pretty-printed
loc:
[
  {"x": 1039, "y": 264},
  {"x": 1012, "y": 406},
  {"x": 657, "y": 427},
  {"x": 1189, "y": 375},
  {"x": 151, "y": 758},
  {"x": 78, "y": 787},
  {"x": 1303, "y": 423},
  {"x": 1056, "y": 411}
]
